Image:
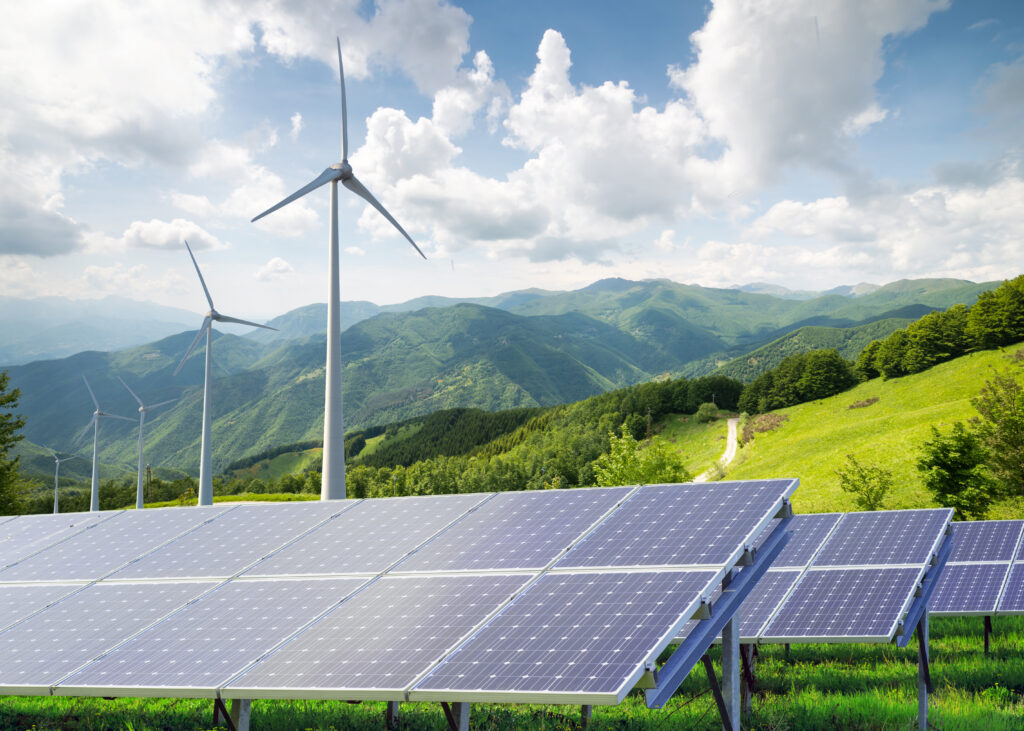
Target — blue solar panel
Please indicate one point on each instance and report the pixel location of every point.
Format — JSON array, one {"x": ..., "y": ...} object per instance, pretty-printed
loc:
[
  {"x": 225, "y": 546},
  {"x": 836, "y": 605},
  {"x": 31, "y": 533},
  {"x": 94, "y": 553},
  {"x": 884, "y": 537},
  {"x": 682, "y": 525},
  {"x": 807, "y": 534},
  {"x": 766, "y": 595},
  {"x": 38, "y": 652},
  {"x": 1013, "y": 593},
  {"x": 516, "y": 530},
  {"x": 968, "y": 588},
  {"x": 369, "y": 538},
  {"x": 205, "y": 644},
  {"x": 573, "y": 634},
  {"x": 18, "y": 601},
  {"x": 379, "y": 641},
  {"x": 985, "y": 540}
]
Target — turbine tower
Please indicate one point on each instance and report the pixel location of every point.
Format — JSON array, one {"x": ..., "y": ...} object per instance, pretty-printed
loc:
[
  {"x": 56, "y": 479},
  {"x": 333, "y": 474},
  {"x": 205, "y": 468},
  {"x": 94, "y": 503},
  {"x": 142, "y": 419}
]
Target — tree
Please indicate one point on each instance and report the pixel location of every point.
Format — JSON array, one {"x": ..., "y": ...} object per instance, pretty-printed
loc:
[
  {"x": 12, "y": 488},
  {"x": 630, "y": 462},
  {"x": 707, "y": 412},
  {"x": 954, "y": 471},
  {"x": 1001, "y": 430},
  {"x": 870, "y": 485},
  {"x": 865, "y": 369}
]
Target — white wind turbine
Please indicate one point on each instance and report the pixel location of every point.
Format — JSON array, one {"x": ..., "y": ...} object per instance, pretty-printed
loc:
[
  {"x": 94, "y": 503},
  {"x": 56, "y": 478},
  {"x": 205, "y": 468},
  {"x": 142, "y": 419},
  {"x": 333, "y": 474}
]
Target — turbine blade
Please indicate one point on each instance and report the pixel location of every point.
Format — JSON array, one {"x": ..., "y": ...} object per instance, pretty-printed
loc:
[
  {"x": 201, "y": 280},
  {"x": 84, "y": 431},
  {"x": 325, "y": 177},
  {"x": 91, "y": 394},
  {"x": 115, "y": 416},
  {"x": 134, "y": 395},
  {"x": 207, "y": 322},
  {"x": 344, "y": 108},
  {"x": 359, "y": 189},
  {"x": 162, "y": 403},
  {"x": 225, "y": 318}
]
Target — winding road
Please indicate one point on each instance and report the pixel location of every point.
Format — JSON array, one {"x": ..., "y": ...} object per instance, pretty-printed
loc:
[{"x": 728, "y": 455}]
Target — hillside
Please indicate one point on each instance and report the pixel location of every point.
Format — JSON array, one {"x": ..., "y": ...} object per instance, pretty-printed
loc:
[{"x": 817, "y": 436}]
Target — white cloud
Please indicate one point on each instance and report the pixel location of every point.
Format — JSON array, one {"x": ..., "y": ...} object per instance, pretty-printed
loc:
[
  {"x": 355, "y": 251},
  {"x": 296, "y": 121},
  {"x": 156, "y": 234},
  {"x": 473, "y": 90},
  {"x": 666, "y": 241},
  {"x": 133, "y": 282},
  {"x": 274, "y": 269}
]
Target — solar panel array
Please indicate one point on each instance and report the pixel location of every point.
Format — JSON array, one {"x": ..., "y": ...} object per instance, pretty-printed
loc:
[
  {"x": 985, "y": 571},
  {"x": 844, "y": 577},
  {"x": 549, "y": 596}
]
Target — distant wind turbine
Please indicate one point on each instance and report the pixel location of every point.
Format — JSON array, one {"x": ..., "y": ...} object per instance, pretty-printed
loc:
[
  {"x": 94, "y": 503},
  {"x": 205, "y": 468},
  {"x": 56, "y": 479},
  {"x": 142, "y": 419},
  {"x": 333, "y": 474}
]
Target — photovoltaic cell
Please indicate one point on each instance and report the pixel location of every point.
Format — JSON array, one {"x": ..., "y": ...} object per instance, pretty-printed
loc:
[
  {"x": 381, "y": 639},
  {"x": 681, "y": 525},
  {"x": 94, "y": 553},
  {"x": 985, "y": 540},
  {"x": 516, "y": 530},
  {"x": 968, "y": 588},
  {"x": 572, "y": 633},
  {"x": 44, "y": 648},
  {"x": 19, "y": 601},
  {"x": 833, "y": 605},
  {"x": 368, "y": 538},
  {"x": 209, "y": 641},
  {"x": 767, "y": 594},
  {"x": 884, "y": 537},
  {"x": 225, "y": 546},
  {"x": 31, "y": 533},
  {"x": 807, "y": 533},
  {"x": 1013, "y": 595}
]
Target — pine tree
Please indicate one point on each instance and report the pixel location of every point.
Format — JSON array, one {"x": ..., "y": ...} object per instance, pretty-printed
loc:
[{"x": 12, "y": 488}]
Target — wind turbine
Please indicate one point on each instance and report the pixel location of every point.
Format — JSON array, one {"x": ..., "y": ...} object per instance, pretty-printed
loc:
[
  {"x": 142, "y": 419},
  {"x": 94, "y": 503},
  {"x": 333, "y": 474},
  {"x": 205, "y": 468},
  {"x": 56, "y": 479}
]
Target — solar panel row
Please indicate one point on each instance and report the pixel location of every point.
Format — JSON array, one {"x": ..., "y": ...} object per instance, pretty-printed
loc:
[{"x": 982, "y": 578}]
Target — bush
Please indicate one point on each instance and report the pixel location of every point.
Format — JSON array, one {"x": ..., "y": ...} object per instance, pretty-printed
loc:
[
  {"x": 870, "y": 485},
  {"x": 707, "y": 412},
  {"x": 954, "y": 471}
]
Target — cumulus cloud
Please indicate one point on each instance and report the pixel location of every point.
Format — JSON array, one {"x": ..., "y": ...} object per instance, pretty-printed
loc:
[
  {"x": 666, "y": 241},
  {"x": 296, "y": 121},
  {"x": 276, "y": 268},
  {"x": 157, "y": 234},
  {"x": 355, "y": 251}
]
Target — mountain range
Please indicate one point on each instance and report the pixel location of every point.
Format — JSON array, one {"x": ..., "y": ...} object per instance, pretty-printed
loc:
[{"x": 525, "y": 348}]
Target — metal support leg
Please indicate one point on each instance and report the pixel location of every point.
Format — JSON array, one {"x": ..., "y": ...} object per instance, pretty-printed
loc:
[
  {"x": 924, "y": 680},
  {"x": 457, "y": 715},
  {"x": 731, "y": 670},
  {"x": 391, "y": 714},
  {"x": 716, "y": 691},
  {"x": 240, "y": 710},
  {"x": 218, "y": 711},
  {"x": 747, "y": 655},
  {"x": 787, "y": 652},
  {"x": 988, "y": 633},
  {"x": 586, "y": 712}
]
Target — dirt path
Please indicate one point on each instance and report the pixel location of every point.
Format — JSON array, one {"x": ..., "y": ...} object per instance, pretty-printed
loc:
[{"x": 730, "y": 451}]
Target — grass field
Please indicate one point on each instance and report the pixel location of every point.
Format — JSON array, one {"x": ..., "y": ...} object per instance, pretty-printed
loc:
[
  {"x": 700, "y": 444},
  {"x": 820, "y": 687},
  {"x": 888, "y": 433}
]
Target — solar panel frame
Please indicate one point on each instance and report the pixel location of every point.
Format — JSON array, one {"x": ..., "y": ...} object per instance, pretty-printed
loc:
[
  {"x": 1011, "y": 601},
  {"x": 949, "y": 599},
  {"x": 980, "y": 541},
  {"x": 832, "y": 552}
]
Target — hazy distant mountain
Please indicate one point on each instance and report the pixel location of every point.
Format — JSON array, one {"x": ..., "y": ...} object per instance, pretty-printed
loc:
[{"x": 54, "y": 327}]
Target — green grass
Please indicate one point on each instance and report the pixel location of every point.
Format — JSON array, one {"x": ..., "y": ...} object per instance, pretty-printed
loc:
[
  {"x": 249, "y": 497},
  {"x": 700, "y": 444},
  {"x": 283, "y": 464},
  {"x": 820, "y": 687},
  {"x": 888, "y": 433}
]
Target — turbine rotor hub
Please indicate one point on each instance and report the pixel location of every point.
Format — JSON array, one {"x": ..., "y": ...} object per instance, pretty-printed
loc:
[{"x": 344, "y": 169}]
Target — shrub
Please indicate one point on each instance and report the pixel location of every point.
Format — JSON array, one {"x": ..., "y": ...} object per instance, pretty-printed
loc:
[{"x": 707, "y": 412}]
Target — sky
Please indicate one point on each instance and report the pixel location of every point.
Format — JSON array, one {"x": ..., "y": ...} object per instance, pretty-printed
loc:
[{"x": 540, "y": 143}]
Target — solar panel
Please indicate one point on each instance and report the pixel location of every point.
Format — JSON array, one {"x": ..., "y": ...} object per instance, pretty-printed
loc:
[
  {"x": 96, "y": 552},
  {"x": 899, "y": 537},
  {"x": 516, "y": 530},
  {"x": 1013, "y": 593},
  {"x": 370, "y": 537},
  {"x": 762, "y": 601},
  {"x": 968, "y": 588},
  {"x": 31, "y": 533},
  {"x": 36, "y": 653},
  {"x": 844, "y": 605},
  {"x": 571, "y": 637},
  {"x": 807, "y": 534},
  {"x": 985, "y": 540},
  {"x": 19, "y": 601},
  {"x": 682, "y": 525},
  {"x": 196, "y": 650},
  {"x": 379, "y": 641},
  {"x": 223, "y": 547}
]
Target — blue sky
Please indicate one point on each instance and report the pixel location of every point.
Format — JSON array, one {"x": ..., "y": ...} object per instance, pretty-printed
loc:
[{"x": 806, "y": 143}]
